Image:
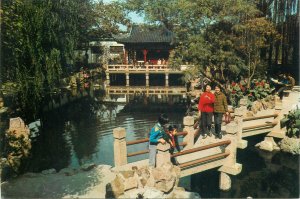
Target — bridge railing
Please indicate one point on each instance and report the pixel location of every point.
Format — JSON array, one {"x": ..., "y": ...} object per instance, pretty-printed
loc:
[
  {"x": 253, "y": 125},
  {"x": 194, "y": 159},
  {"x": 204, "y": 159},
  {"x": 120, "y": 143},
  {"x": 133, "y": 142}
]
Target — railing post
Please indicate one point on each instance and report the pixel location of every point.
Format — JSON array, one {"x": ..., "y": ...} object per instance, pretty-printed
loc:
[
  {"x": 163, "y": 155},
  {"x": 167, "y": 79},
  {"x": 120, "y": 148},
  {"x": 230, "y": 166},
  {"x": 147, "y": 79},
  {"x": 231, "y": 131},
  {"x": 188, "y": 123},
  {"x": 241, "y": 144},
  {"x": 127, "y": 79}
]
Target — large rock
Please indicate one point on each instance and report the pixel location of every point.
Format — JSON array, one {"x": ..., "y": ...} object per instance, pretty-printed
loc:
[
  {"x": 130, "y": 183},
  {"x": 290, "y": 145},
  {"x": 153, "y": 193},
  {"x": 268, "y": 144},
  {"x": 115, "y": 188},
  {"x": 256, "y": 106},
  {"x": 163, "y": 179},
  {"x": 166, "y": 177},
  {"x": 265, "y": 145}
]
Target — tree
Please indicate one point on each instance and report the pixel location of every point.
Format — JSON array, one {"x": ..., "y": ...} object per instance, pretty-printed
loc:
[
  {"x": 38, "y": 39},
  {"x": 285, "y": 16},
  {"x": 251, "y": 37}
]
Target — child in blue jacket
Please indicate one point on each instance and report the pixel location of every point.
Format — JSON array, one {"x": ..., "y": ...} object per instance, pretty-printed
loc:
[{"x": 156, "y": 136}]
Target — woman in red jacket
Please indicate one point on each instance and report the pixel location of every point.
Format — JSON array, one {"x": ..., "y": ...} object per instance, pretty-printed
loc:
[{"x": 206, "y": 106}]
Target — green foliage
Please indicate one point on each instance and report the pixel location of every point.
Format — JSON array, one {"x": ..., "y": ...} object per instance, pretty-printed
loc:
[
  {"x": 38, "y": 39},
  {"x": 224, "y": 36},
  {"x": 259, "y": 89},
  {"x": 292, "y": 123},
  {"x": 235, "y": 94},
  {"x": 16, "y": 149}
]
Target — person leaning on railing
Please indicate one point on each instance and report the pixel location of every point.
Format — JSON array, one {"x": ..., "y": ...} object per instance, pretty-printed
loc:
[
  {"x": 172, "y": 139},
  {"x": 156, "y": 136}
]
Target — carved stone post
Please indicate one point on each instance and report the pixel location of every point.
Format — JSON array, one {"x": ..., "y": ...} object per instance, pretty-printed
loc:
[
  {"x": 231, "y": 131},
  {"x": 225, "y": 181},
  {"x": 120, "y": 149},
  {"x": 241, "y": 144},
  {"x": 188, "y": 123},
  {"x": 163, "y": 155},
  {"x": 230, "y": 166}
]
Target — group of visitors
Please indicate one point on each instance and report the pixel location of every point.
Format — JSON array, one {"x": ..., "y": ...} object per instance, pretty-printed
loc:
[{"x": 212, "y": 104}]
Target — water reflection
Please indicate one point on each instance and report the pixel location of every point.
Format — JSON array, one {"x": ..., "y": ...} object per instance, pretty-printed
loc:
[{"x": 81, "y": 132}]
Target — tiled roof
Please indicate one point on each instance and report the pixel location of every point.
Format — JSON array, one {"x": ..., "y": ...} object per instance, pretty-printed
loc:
[{"x": 139, "y": 34}]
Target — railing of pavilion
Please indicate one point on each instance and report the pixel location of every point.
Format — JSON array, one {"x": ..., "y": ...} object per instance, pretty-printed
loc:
[{"x": 146, "y": 67}]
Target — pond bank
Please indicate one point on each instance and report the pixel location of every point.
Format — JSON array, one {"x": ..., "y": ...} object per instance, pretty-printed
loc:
[{"x": 67, "y": 183}]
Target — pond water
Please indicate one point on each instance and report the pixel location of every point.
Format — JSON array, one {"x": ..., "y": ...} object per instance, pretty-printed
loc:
[{"x": 81, "y": 132}]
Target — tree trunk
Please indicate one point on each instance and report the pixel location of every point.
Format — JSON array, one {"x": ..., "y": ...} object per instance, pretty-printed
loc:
[
  {"x": 276, "y": 53},
  {"x": 270, "y": 55}
]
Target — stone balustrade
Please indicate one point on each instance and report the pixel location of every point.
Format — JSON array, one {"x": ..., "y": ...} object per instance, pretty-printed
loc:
[{"x": 227, "y": 162}]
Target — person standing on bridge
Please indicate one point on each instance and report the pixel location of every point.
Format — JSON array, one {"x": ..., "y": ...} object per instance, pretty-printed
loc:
[
  {"x": 206, "y": 108},
  {"x": 156, "y": 135},
  {"x": 220, "y": 107}
]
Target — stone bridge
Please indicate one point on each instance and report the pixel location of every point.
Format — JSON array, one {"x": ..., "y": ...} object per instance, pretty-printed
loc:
[{"x": 199, "y": 154}]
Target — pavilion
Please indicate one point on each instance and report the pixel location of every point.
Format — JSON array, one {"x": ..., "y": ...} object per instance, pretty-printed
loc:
[{"x": 147, "y": 45}]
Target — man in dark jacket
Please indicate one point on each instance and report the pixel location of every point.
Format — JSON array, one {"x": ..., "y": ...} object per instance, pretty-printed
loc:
[{"x": 220, "y": 107}]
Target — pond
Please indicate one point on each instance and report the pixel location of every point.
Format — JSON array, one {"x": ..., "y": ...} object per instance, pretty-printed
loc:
[{"x": 81, "y": 132}]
